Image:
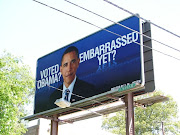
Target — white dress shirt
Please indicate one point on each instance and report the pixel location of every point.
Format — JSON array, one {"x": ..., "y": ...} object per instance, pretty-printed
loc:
[{"x": 71, "y": 86}]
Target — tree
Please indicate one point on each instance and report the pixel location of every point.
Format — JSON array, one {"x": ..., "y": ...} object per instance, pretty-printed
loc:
[
  {"x": 16, "y": 85},
  {"x": 149, "y": 120}
]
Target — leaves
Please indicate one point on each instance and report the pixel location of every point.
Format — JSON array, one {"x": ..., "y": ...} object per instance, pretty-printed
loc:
[
  {"x": 148, "y": 121},
  {"x": 16, "y": 84}
]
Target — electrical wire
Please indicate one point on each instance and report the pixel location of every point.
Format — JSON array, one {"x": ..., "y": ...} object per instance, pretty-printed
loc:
[
  {"x": 142, "y": 18},
  {"x": 121, "y": 25},
  {"x": 77, "y": 95},
  {"x": 60, "y": 89},
  {"x": 101, "y": 29},
  {"x": 105, "y": 29},
  {"x": 87, "y": 99}
]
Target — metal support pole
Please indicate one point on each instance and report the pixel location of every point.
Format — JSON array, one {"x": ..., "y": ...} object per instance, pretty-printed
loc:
[
  {"x": 54, "y": 125},
  {"x": 129, "y": 103}
]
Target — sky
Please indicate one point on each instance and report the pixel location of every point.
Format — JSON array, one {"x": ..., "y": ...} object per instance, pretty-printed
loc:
[{"x": 32, "y": 30}]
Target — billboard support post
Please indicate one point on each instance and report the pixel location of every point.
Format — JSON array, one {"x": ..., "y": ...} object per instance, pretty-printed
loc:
[
  {"x": 54, "y": 125},
  {"x": 129, "y": 104}
]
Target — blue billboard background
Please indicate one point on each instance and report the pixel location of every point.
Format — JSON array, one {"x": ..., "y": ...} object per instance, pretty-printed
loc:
[{"x": 106, "y": 61}]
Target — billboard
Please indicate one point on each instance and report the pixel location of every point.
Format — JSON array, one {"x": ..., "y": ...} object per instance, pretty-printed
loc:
[{"x": 91, "y": 66}]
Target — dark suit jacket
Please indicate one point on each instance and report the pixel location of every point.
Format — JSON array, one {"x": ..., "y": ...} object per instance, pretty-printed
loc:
[{"x": 81, "y": 88}]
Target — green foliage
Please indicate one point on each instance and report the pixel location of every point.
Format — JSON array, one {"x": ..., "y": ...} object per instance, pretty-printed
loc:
[
  {"x": 16, "y": 85},
  {"x": 149, "y": 120},
  {"x": 114, "y": 123}
]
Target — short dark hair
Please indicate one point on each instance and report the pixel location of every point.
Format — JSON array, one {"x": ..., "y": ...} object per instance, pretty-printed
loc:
[{"x": 70, "y": 49}]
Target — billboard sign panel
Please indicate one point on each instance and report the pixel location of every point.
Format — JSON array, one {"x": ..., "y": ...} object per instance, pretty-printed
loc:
[{"x": 104, "y": 61}]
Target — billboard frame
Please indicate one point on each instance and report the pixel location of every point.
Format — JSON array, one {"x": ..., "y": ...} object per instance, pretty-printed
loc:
[
  {"x": 118, "y": 88},
  {"x": 95, "y": 100}
]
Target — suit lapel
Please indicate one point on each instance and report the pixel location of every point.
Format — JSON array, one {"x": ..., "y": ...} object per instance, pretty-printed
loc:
[{"x": 76, "y": 92}]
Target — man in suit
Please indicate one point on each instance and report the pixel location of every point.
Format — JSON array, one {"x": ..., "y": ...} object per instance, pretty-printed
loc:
[{"x": 77, "y": 89}]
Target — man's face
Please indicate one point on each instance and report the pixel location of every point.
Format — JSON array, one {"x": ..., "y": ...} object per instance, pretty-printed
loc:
[{"x": 68, "y": 68}]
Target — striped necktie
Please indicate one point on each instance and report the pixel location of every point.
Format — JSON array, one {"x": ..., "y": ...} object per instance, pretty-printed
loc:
[{"x": 66, "y": 97}]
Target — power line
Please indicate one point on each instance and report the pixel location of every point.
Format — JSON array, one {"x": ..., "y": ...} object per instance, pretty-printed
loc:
[
  {"x": 78, "y": 95},
  {"x": 101, "y": 29},
  {"x": 83, "y": 21},
  {"x": 104, "y": 29},
  {"x": 122, "y": 25},
  {"x": 82, "y": 109},
  {"x": 142, "y": 18}
]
